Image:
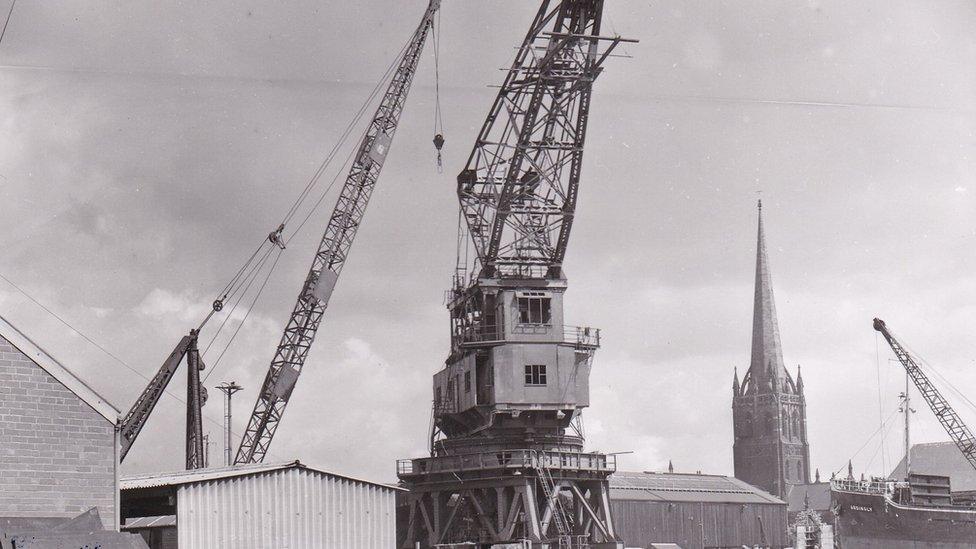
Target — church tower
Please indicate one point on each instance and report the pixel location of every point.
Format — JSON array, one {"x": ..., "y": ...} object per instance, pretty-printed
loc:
[{"x": 768, "y": 407}]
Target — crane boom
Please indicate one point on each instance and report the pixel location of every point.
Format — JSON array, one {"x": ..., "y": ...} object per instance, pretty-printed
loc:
[
  {"x": 943, "y": 411},
  {"x": 519, "y": 189},
  {"x": 136, "y": 418},
  {"x": 330, "y": 258}
]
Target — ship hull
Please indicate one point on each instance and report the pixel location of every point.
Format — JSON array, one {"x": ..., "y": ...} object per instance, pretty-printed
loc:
[{"x": 873, "y": 521}]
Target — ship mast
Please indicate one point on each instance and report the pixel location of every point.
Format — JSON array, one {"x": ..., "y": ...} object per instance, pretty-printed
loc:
[{"x": 907, "y": 409}]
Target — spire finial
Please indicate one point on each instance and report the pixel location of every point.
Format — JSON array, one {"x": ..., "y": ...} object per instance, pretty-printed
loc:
[
  {"x": 760, "y": 205},
  {"x": 817, "y": 475}
]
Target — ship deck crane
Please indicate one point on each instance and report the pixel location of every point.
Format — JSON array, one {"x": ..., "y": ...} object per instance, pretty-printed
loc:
[
  {"x": 957, "y": 429},
  {"x": 299, "y": 333}
]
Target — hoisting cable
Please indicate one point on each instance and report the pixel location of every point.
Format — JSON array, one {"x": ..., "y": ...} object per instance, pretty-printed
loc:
[
  {"x": 322, "y": 196},
  {"x": 363, "y": 109},
  {"x": 108, "y": 353},
  {"x": 247, "y": 312},
  {"x": 438, "y": 119},
  {"x": 877, "y": 363},
  {"x": 249, "y": 279},
  {"x": 868, "y": 441},
  {"x": 275, "y": 238},
  {"x": 928, "y": 367}
]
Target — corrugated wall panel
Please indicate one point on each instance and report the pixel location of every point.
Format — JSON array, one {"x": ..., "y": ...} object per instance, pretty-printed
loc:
[
  {"x": 697, "y": 525},
  {"x": 286, "y": 509}
]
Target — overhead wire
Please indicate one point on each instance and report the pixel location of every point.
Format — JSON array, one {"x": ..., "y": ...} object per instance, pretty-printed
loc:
[
  {"x": 7, "y": 20},
  {"x": 101, "y": 348}
]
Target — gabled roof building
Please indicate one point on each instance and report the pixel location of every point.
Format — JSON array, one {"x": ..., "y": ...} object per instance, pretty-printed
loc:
[
  {"x": 58, "y": 442},
  {"x": 258, "y": 506},
  {"x": 695, "y": 511}
]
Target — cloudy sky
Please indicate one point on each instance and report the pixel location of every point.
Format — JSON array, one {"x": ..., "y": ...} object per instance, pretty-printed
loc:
[{"x": 147, "y": 147}]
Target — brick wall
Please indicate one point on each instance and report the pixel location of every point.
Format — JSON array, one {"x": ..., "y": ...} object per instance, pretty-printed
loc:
[{"x": 56, "y": 452}]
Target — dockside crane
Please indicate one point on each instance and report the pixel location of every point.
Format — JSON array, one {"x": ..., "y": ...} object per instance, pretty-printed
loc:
[
  {"x": 312, "y": 300},
  {"x": 507, "y": 465},
  {"x": 330, "y": 258},
  {"x": 958, "y": 430}
]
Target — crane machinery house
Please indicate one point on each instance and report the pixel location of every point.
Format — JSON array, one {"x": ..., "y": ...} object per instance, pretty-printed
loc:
[{"x": 58, "y": 457}]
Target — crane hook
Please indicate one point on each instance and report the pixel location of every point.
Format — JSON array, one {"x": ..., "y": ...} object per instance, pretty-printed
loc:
[{"x": 439, "y": 144}]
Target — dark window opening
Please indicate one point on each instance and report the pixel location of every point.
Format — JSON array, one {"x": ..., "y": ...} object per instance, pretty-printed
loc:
[
  {"x": 535, "y": 374},
  {"x": 534, "y": 309},
  {"x": 467, "y": 381}
]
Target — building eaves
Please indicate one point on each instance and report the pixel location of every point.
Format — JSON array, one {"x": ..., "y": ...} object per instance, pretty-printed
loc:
[
  {"x": 178, "y": 478},
  {"x": 58, "y": 371}
]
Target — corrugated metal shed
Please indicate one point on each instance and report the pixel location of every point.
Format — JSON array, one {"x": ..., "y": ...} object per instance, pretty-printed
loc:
[
  {"x": 285, "y": 506},
  {"x": 695, "y": 511}
]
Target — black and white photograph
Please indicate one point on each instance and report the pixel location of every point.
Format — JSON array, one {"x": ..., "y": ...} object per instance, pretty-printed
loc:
[{"x": 504, "y": 274}]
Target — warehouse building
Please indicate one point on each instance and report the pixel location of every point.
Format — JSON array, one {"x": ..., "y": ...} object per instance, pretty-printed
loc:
[
  {"x": 58, "y": 457},
  {"x": 695, "y": 511},
  {"x": 287, "y": 505}
]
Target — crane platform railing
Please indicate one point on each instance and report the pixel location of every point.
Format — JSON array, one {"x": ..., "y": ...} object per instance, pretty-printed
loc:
[
  {"x": 553, "y": 460},
  {"x": 579, "y": 336}
]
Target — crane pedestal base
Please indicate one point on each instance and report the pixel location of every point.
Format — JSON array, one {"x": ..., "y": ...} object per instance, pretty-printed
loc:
[{"x": 513, "y": 499}]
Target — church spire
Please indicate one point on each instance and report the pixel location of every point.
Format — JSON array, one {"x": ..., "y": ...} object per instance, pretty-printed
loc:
[{"x": 766, "y": 367}]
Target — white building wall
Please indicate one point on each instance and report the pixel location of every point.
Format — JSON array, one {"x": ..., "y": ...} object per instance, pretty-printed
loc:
[{"x": 286, "y": 509}]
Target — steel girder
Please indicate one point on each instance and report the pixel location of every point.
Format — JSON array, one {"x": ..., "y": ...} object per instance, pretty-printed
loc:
[
  {"x": 493, "y": 511},
  {"x": 519, "y": 188}
]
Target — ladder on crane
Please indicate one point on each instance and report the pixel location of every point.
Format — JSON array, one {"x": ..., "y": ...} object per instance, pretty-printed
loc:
[{"x": 550, "y": 490}]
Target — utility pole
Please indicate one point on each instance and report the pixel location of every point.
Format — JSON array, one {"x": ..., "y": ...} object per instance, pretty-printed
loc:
[
  {"x": 228, "y": 388},
  {"x": 206, "y": 450}
]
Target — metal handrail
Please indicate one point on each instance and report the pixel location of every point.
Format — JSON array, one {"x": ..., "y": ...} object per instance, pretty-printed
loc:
[
  {"x": 873, "y": 486},
  {"x": 509, "y": 459},
  {"x": 582, "y": 336}
]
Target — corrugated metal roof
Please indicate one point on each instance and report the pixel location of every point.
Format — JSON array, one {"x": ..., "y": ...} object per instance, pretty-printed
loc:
[
  {"x": 686, "y": 487},
  {"x": 177, "y": 478},
  {"x": 150, "y": 522}
]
